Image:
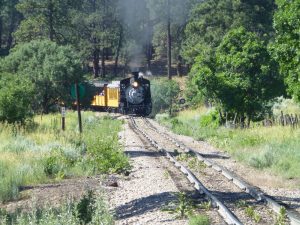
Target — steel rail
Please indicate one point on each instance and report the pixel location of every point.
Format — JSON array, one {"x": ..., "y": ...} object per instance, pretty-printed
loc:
[
  {"x": 258, "y": 195},
  {"x": 227, "y": 215}
]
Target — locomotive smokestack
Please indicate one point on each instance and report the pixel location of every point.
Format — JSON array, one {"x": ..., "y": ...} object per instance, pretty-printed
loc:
[{"x": 135, "y": 75}]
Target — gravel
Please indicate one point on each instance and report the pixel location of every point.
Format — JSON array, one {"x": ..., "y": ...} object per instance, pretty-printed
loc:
[{"x": 140, "y": 197}]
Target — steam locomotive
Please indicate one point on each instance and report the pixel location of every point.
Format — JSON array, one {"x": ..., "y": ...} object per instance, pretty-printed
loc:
[
  {"x": 129, "y": 96},
  {"x": 135, "y": 95}
]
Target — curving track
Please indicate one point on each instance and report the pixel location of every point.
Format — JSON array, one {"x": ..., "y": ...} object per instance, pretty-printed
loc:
[
  {"x": 293, "y": 217},
  {"x": 223, "y": 188}
]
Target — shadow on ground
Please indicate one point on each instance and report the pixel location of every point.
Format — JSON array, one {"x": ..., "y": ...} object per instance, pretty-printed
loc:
[
  {"x": 141, "y": 153},
  {"x": 143, "y": 205}
]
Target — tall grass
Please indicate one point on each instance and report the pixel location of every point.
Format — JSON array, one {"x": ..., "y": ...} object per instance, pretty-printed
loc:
[
  {"x": 276, "y": 149},
  {"x": 90, "y": 209},
  {"x": 41, "y": 152}
]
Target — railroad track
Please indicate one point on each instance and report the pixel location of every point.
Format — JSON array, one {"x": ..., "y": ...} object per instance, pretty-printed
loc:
[
  {"x": 215, "y": 192},
  {"x": 228, "y": 216},
  {"x": 257, "y": 194}
]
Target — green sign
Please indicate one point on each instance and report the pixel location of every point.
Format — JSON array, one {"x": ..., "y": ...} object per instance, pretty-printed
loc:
[{"x": 81, "y": 89}]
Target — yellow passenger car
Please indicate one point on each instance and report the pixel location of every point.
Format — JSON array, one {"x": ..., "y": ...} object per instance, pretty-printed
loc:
[{"x": 107, "y": 96}]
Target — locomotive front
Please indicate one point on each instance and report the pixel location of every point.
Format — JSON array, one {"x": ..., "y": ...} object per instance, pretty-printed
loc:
[{"x": 135, "y": 95}]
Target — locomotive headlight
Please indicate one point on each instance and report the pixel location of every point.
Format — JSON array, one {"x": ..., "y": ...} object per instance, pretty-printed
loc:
[{"x": 135, "y": 84}]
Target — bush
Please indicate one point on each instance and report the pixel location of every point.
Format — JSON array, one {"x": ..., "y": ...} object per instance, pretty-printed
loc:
[
  {"x": 15, "y": 98},
  {"x": 86, "y": 207},
  {"x": 104, "y": 156},
  {"x": 212, "y": 119},
  {"x": 263, "y": 160},
  {"x": 193, "y": 96},
  {"x": 164, "y": 94}
]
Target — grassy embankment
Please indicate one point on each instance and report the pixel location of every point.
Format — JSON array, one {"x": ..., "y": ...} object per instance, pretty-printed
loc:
[
  {"x": 40, "y": 152},
  {"x": 276, "y": 149}
]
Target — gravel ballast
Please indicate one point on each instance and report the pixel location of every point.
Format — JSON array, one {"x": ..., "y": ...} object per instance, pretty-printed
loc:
[{"x": 140, "y": 197}]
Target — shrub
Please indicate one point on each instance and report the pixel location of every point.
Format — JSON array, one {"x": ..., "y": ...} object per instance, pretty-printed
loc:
[
  {"x": 212, "y": 119},
  {"x": 103, "y": 153},
  {"x": 104, "y": 157},
  {"x": 263, "y": 160},
  {"x": 164, "y": 94},
  {"x": 86, "y": 207},
  {"x": 15, "y": 98}
]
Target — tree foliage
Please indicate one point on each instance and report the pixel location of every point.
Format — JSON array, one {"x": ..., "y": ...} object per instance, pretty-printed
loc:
[
  {"x": 96, "y": 30},
  {"x": 164, "y": 94},
  {"x": 51, "y": 69},
  {"x": 44, "y": 19},
  {"x": 243, "y": 77},
  {"x": 211, "y": 20},
  {"x": 287, "y": 46},
  {"x": 9, "y": 21},
  {"x": 16, "y": 96},
  {"x": 231, "y": 66}
]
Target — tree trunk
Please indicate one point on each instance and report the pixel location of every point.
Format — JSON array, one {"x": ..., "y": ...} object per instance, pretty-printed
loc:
[
  {"x": 118, "y": 50},
  {"x": 234, "y": 120},
  {"x": 51, "y": 27},
  {"x": 45, "y": 105},
  {"x": 11, "y": 30},
  {"x": 242, "y": 121},
  {"x": 249, "y": 122},
  {"x": 96, "y": 68},
  {"x": 179, "y": 66},
  {"x": 221, "y": 116},
  {"x": 149, "y": 55},
  {"x": 1, "y": 27},
  {"x": 106, "y": 51},
  {"x": 103, "y": 69},
  {"x": 169, "y": 41}
]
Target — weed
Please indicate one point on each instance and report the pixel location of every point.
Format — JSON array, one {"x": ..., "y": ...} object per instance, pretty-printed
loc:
[
  {"x": 166, "y": 174},
  {"x": 195, "y": 164},
  {"x": 182, "y": 207},
  {"x": 182, "y": 157},
  {"x": 281, "y": 218},
  {"x": 257, "y": 218},
  {"x": 199, "y": 220},
  {"x": 241, "y": 204},
  {"x": 252, "y": 214},
  {"x": 206, "y": 205}
]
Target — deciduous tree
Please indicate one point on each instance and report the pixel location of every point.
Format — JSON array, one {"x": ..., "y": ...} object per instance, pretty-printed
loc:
[
  {"x": 242, "y": 77},
  {"x": 287, "y": 46},
  {"x": 49, "y": 67}
]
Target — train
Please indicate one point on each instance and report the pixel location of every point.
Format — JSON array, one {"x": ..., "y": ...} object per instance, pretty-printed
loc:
[{"x": 129, "y": 96}]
